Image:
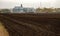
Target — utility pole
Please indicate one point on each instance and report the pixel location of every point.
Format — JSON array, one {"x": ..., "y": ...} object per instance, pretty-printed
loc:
[{"x": 40, "y": 5}]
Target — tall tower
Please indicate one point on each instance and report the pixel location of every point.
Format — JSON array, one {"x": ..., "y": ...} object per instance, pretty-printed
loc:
[{"x": 21, "y": 5}]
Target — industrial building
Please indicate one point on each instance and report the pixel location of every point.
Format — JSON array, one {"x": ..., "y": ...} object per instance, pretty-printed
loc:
[{"x": 21, "y": 9}]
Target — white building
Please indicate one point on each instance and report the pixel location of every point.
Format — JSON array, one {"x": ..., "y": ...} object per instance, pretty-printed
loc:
[{"x": 21, "y": 9}]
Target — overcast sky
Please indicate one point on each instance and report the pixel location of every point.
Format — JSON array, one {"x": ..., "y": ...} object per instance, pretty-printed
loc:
[{"x": 29, "y": 3}]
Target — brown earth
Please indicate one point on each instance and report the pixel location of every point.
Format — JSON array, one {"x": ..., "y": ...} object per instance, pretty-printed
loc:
[
  {"x": 31, "y": 24},
  {"x": 3, "y": 31}
]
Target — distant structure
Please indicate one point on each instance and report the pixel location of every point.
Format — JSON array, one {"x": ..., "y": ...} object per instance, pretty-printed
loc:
[
  {"x": 21, "y": 9},
  {"x": 21, "y": 5}
]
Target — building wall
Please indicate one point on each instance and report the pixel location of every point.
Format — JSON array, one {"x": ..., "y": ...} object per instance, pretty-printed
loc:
[{"x": 23, "y": 10}]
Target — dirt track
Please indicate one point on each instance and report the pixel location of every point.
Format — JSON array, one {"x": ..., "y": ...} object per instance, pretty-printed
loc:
[
  {"x": 3, "y": 31},
  {"x": 31, "y": 24}
]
